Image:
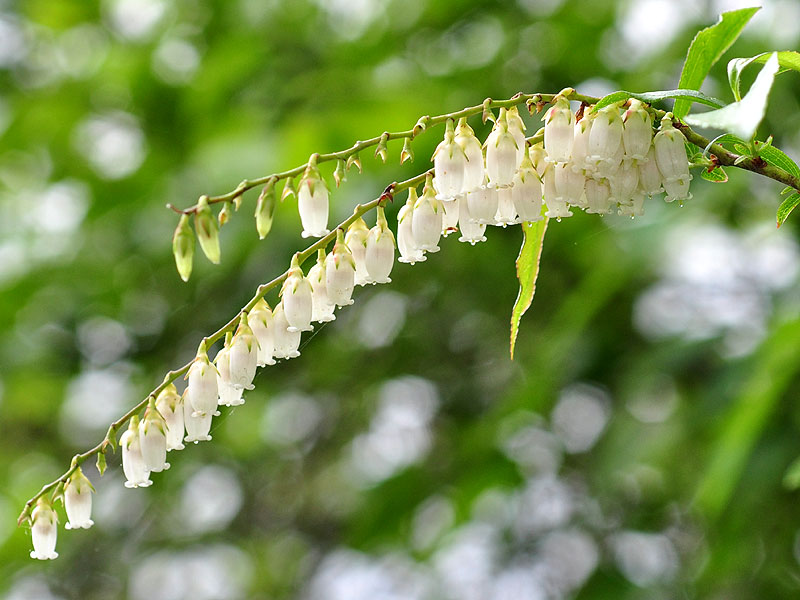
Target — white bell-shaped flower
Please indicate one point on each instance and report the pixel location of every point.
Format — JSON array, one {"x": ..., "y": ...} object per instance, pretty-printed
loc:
[
  {"x": 197, "y": 426},
  {"x": 229, "y": 395},
  {"x": 312, "y": 201},
  {"x": 474, "y": 171},
  {"x": 78, "y": 501},
  {"x": 538, "y": 158},
  {"x": 672, "y": 161},
  {"x": 559, "y": 125},
  {"x": 609, "y": 168},
  {"x": 356, "y": 241},
  {"x": 516, "y": 126},
  {"x": 635, "y": 208},
  {"x": 287, "y": 342},
  {"x": 296, "y": 296},
  {"x": 578, "y": 161},
  {"x": 340, "y": 270},
  {"x": 426, "y": 222},
  {"x": 569, "y": 185},
  {"x": 605, "y": 136},
  {"x": 526, "y": 194},
  {"x": 449, "y": 217},
  {"x": 380, "y": 250},
  {"x": 506, "y": 213},
  {"x": 471, "y": 231},
  {"x": 650, "y": 181},
  {"x": 482, "y": 205},
  {"x": 637, "y": 133},
  {"x": 321, "y": 307},
  {"x": 170, "y": 405},
  {"x": 133, "y": 465},
  {"x": 201, "y": 390},
  {"x": 624, "y": 184},
  {"x": 449, "y": 163},
  {"x": 243, "y": 355},
  {"x": 153, "y": 439},
  {"x": 501, "y": 153},
  {"x": 407, "y": 245},
  {"x": 556, "y": 205},
  {"x": 44, "y": 530},
  {"x": 260, "y": 321},
  {"x": 597, "y": 197}
]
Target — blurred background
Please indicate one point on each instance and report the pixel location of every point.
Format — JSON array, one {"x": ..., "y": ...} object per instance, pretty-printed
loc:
[{"x": 640, "y": 444}]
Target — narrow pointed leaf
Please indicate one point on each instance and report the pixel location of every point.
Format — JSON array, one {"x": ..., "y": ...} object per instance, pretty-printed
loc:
[
  {"x": 789, "y": 60},
  {"x": 716, "y": 175},
  {"x": 649, "y": 97},
  {"x": 786, "y": 208},
  {"x": 527, "y": 272},
  {"x": 706, "y": 49},
  {"x": 778, "y": 158}
]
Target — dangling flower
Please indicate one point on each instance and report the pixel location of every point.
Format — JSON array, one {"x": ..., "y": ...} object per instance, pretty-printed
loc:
[
  {"x": 526, "y": 194},
  {"x": 340, "y": 270},
  {"x": 356, "y": 241},
  {"x": 260, "y": 321},
  {"x": 635, "y": 208},
  {"x": 605, "y": 137},
  {"x": 133, "y": 464},
  {"x": 78, "y": 501},
  {"x": 170, "y": 405},
  {"x": 474, "y": 172},
  {"x": 201, "y": 390},
  {"x": 609, "y": 168},
  {"x": 229, "y": 394},
  {"x": 482, "y": 205},
  {"x": 44, "y": 530},
  {"x": 649, "y": 175},
  {"x": 570, "y": 185},
  {"x": 312, "y": 201},
  {"x": 671, "y": 159},
  {"x": 578, "y": 161},
  {"x": 471, "y": 230},
  {"x": 426, "y": 223},
  {"x": 243, "y": 355},
  {"x": 449, "y": 162},
  {"x": 516, "y": 127},
  {"x": 556, "y": 206},
  {"x": 296, "y": 296},
  {"x": 501, "y": 153},
  {"x": 449, "y": 217},
  {"x": 538, "y": 159},
  {"x": 380, "y": 250},
  {"x": 559, "y": 124},
  {"x": 506, "y": 213},
  {"x": 597, "y": 197},
  {"x": 153, "y": 439},
  {"x": 197, "y": 426},
  {"x": 410, "y": 252},
  {"x": 321, "y": 307},
  {"x": 286, "y": 342},
  {"x": 624, "y": 184},
  {"x": 637, "y": 133}
]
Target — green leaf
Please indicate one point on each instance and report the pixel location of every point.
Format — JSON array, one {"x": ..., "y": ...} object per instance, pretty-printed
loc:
[
  {"x": 716, "y": 175},
  {"x": 786, "y": 207},
  {"x": 527, "y": 271},
  {"x": 688, "y": 95},
  {"x": 706, "y": 49},
  {"x": 742, "y": 118},
  {"x": 791, "y": 479},
  {"x": 789, "y": 60},
  {"x": 778, "y": 158}
]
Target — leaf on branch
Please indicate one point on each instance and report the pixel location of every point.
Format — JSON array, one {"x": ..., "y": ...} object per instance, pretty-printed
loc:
[
  {"x": 789, "y": 60},
  {"x": 786, "y": 207},
  {"x": 688, "y": 95},
  {"x": 715, "y": 175},
  {"x": 778, "y": 158},
  {"x": 706, "y": 49},
  {"x": 742, "y": 118},
  {"x": 527, "y": 270}
]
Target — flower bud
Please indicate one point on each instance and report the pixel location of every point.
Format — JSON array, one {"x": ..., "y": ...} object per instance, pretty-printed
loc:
[
  {"x": 265, "y": 209},
  {"x": 380, "y": 250},
  {"x": 605, "y": 137},
  {"x": 407, "y": 153},
  {"x": 340, "y": 269},
  {"x": 449, "y": 162},
  {"x": 197, "y": 426},
  {"x": 410, "y": 252},
  {"x": 224, "y": 213},
  {"x": 78, "y": 501},
  {"x": 354, "y": 161},
  {"x": 559, "y": 124},
  {"x": 426, "y": 223},
  {"x": 312, "y": 202},
  {"x": 207, "y": 229},
  {"x": 170, "y": 405},
  {"x": 482, "y": 205},
  {"x": 260, "y": 321},
  {"x": 201, "y": 390},
  {"x": 340, "y": 173},
  {"x": 637, "y": 133},
  {"x": 556, "y": 205},
  {"x": 153, "y": 439},
  {"x": 382, "y": 150},
  {"x": 471, "y": 231},
  {"x": 288, "y": 189},
  {"x": 356, "y": 241},
  {"x": 501, "y": 153},
  {"x": 474, "y": 172},
  {"x": 296, "y": 297},
  {"x": 244, "y": 355},
  {"x": 44, "y": 530},
  {"x": 321, "y": 307},
  {"x": 506, "y": 213},
  {"x": 133, "y": 465},
  {"x": 286, "y": 342},
  {"x": 183, "y": 247},
  {"x": 526, "y": 194},
  {"x": 449, "y": 216}
]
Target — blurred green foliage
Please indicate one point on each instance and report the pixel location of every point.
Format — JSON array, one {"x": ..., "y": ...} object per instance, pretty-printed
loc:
[{"x": 636, "y": 447}]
